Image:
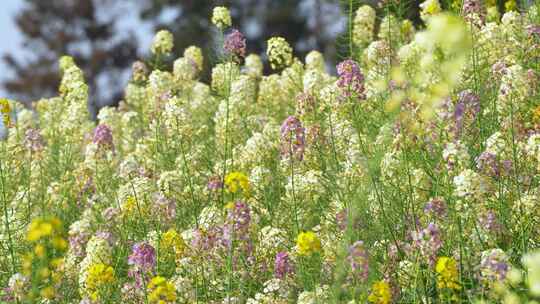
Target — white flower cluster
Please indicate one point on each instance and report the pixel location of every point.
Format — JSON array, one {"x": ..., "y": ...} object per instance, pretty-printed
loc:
[
  {"x": 272, "y": 240},
  {"x": 221, "y": 17},
  {"x": 280, "y": 53},
  {"x": 320, "y": 294},
  {"x": 456, "y": 156},
  {"x": 364, "y": 25},
  {"x": 470, "y": 184},
  {"x": 163, "y": 43}
]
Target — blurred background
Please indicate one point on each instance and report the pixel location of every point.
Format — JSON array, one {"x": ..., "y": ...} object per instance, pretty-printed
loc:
[{"x": 106, "y": 36}]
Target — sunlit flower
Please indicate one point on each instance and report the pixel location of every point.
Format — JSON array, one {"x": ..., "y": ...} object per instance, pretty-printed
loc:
[{"x": 430, "y": 8}]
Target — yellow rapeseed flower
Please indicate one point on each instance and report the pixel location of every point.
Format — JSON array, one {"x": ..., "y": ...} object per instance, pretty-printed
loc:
[
  {"x": 99, "y": 275},
  {"x": 44, "y": 272},
  {"x": 42, "y": 228},
  {"x": 40, "y": 250},
  {"x": 27, "y": 264},
  {"x": 308, "y": 243},
  {"x": 129, "y": 206},
  {"x": 380, "y": 293},
  {"x": 172, "y": 240},
  {"x": 236, "y": 181},
  {"x": 161, "y": 291},
  {"x": 57, "y": 263},
  {"x": 448, "y": 274},
  {"x": 59, "y": 243},
  {"x": 5, "y": 110}
]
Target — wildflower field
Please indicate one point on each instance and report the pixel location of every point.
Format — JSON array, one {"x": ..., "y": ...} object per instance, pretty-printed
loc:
[{"x": 410, "y": 176}]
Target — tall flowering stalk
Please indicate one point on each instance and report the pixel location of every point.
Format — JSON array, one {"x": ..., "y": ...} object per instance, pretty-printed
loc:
[
  {"x": 234, "y": 45},
  {"x": 293, "y": 139},
  {"x": 5, "y": 204},
  {"x": 292, "y": 148}
]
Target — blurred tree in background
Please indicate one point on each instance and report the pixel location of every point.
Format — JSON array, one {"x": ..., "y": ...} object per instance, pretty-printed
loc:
[
  {"x": 88, "y": 31},
  {"x": 83, "y": 29}
]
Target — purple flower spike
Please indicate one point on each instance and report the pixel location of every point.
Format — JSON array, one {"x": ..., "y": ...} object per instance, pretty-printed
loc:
[
  {"x": 428, "y": 242},
  {"x": 282, "y": 265},
  {"x": 237, "y": 226},
  {"x": 235, "y": 44},
  {"x": 358, "y": 260},
  {"x": 214, "y": 183},
  {"x": 351, "y": 80},
  {"x": 468, "y": 107},
  {"x": 103, "y": 136},
  {"x": 292, "y": 138},
  {"x": 143, "y": 256},
  {"x": 494, "y": 266},
  {"x": 475, "y": 7},
  {"x": 437, "y": 207}
]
